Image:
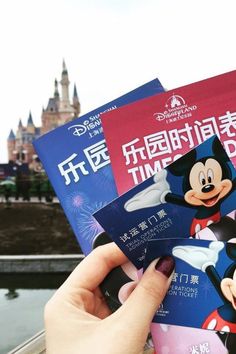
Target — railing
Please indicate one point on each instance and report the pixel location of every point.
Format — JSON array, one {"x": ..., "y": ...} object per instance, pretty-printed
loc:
[
  {"x": 34, "y": 345},
  {"x": 40, "y": 263}
]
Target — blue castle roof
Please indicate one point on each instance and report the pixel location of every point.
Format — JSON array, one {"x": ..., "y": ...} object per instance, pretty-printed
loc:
[
  {"x": 30, "y": 120},
  {"x": 11, "y": 135}
]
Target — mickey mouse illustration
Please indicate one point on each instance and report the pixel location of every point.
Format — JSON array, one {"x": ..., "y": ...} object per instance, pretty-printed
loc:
[
  {"x": 223, "y": 319},
  {"x": 223, "y": 230},
  {"x": 206, "y": 183}
]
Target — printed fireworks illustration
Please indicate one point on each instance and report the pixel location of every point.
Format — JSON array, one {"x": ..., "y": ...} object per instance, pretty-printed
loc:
[
  {"x": 87, "y": 225},
  {"x": 75, "y": 201},
  {"x": 81, "y": 208}
]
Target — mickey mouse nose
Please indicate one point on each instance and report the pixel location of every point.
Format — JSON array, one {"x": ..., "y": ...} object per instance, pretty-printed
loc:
[{"x": 208, "y": 188}]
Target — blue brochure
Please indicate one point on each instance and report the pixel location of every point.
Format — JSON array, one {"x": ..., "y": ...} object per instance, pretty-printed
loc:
[
  {"x": 76, "y": 160},
  {"x": 177, "y": 202},
  {"x": 203, "y": 290}
]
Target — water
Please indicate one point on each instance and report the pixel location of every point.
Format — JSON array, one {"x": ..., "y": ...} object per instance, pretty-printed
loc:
[{"x": 22, "y": 300}]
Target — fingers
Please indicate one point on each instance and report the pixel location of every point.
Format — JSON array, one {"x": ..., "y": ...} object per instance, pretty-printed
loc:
[
  {"x": 142, "y": 304},
  {"x": 94, "y": 268}
]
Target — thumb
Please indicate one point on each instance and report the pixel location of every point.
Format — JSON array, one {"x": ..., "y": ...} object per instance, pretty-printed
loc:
[{"x": 141, "y": 306}]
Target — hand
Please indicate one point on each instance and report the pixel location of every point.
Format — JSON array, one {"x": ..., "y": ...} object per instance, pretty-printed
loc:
[
  {"x": 199, "y": 257},
  {"x": 77, "y": 319},
  {"x": 151, "y": 196}
]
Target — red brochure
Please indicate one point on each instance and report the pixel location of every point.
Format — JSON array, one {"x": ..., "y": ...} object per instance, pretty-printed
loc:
[{"x": 146, "y": 136}]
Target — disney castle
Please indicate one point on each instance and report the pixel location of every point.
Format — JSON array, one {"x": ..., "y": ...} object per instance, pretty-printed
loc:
[{"x": 59, "y": 110}]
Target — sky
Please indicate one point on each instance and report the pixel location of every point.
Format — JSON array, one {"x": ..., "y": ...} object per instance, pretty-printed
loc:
[{"x": 109, "y": 46}]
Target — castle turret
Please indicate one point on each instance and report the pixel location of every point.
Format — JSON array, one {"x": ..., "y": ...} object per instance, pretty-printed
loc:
[
  {"x": 11, "y": 141},
  {"x": 19, "y": 133},
  {"x": 50, "y": 115},
  {"x": 20, "y": 125},
  {"x": 65, "y": 86},
  {"x": 11, "y": 136},
  {"x": 76, "y": 103},
  {"x": 65, "y": 108},
  {"x": 56, "y": 92},
  {"x": 30, "y": 125}
]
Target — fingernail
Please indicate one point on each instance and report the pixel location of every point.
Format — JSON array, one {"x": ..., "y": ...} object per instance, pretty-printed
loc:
[{"x": 165, "y": 265}]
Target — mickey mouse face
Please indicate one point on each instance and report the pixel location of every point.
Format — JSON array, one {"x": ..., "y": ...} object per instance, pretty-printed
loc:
[
  {"x": 207, "y": 185},
  {"x": 228, "y": 287}
]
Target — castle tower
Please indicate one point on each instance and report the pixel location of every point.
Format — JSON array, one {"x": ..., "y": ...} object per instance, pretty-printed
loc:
[
  {"x": 76, "y": 103},
  {"x": 19, "y": 134},
  {"x": 30, "y": 125},
  {"x": 50, "y": 115},
  {"x": 29, "y": 135},
  {"x": 65, "y": 101},
  {"x": 11, "y": 141},
  {"x": 66, "y": 110},
  {"x": 56, "y": 92},
  {"x": 20, "y": 125},
  {"x": 59, "y": 109}
]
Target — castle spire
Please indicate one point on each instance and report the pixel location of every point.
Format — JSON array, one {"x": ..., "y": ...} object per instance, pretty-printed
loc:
[
  {"x": 11, "y": 135},
  {"x": 64, "y": 69},
  {"x": 65, "y": 101},
  {"x": 20, "y": 125},
  {"x": 76, "y": 103},
  {"x": 30, "y": 125},
  {"x": 30, "y": 119},
  {"x": 56, "y": 92},
  {"x": 75, "y": 95},
  {"x": 64, "y": 81}
]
